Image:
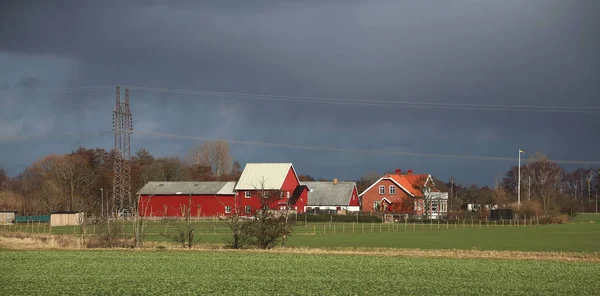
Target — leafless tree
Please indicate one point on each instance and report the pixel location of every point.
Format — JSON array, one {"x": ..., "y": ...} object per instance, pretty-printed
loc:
[
  {"x": 139, "y": 219},
  {"x": 269, "y": 226},
  {"x": 184, "y": 233},
  {"x": 213, "y": 154},
  {"x": 547, "y": 179}
]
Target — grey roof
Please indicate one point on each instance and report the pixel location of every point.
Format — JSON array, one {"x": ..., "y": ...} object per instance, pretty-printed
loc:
[
  {"x": 183, "y": 188},
  {"x": 325, "y": 193}
]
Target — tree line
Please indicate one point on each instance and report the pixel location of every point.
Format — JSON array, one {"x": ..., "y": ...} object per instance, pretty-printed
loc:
[
  {"x": 77, "y": 181},
  {"x": 546, "y": 189}
]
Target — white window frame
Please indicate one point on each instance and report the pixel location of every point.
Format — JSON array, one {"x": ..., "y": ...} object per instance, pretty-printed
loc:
[
  {"x": 381, "y": 189},
  {"x": 392, "y": 189},
  {"x": 227, "y": 210},
  {"x": 248, "y": 209},
  {"x": 288, "y": 195},
  {"x": 247, "y": 194}
]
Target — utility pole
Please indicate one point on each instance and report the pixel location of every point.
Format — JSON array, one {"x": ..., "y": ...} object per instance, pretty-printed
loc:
[
  {"x": 529, "y": 189},
  {"x": 519, "y": 179},
  {"x": 451, "y": 190}
]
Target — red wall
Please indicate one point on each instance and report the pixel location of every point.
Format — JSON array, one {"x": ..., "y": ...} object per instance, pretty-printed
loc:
[
  {"x": 354, "y": 198},
  {"x": 300, "y": 205},
  {"x": 170, "y": 205}
]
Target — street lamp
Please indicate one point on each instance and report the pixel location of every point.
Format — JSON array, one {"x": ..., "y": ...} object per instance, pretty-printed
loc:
[
  {"x": 519, "y": 179},
  {"x": 102, "y": 202}
]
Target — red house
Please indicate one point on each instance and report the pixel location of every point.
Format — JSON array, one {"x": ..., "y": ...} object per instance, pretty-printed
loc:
[
  {"x": 398, "y": 193},
  {"x": 171, "y": 199},
  {"x": 264, "y": 179}
]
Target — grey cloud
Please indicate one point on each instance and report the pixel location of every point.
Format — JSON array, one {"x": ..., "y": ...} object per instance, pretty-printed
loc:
[
  {"x": 490, "y": 52},
  {"x": 29, "y": 83}
]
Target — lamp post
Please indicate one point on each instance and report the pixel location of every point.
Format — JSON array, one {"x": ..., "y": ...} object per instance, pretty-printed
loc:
[
  {"x": 519, "y": 179},
  {"x": 596, "y": 200},
  {"x": 102, "y": 202}
]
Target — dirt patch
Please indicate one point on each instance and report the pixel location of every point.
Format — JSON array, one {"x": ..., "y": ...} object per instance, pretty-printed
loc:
[
  {"x": 30, "y": 242},
  {"x": 42, "y": 241}
]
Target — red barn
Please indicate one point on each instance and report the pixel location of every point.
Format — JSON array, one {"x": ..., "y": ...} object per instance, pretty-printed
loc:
[
  {"x": 260, "y": 178},
  {"x": 170, "y": 199},
  {"x": 160, "y": 199}
]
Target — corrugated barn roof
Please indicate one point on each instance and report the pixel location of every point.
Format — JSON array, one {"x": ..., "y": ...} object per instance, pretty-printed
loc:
[{"x": 186, "y": 188}]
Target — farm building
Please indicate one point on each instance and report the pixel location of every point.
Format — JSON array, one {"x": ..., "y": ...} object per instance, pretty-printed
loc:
[
  {"x": 66, "y": 218},
  {"x": 406, "y": 194},
  {"x": 171, "y": 199},
  {"x": 7, "y": 216},
  {"x": 208, "y": 199},
  {"x": 259, "y": 179},
  {"x": 332, "y": 196}
]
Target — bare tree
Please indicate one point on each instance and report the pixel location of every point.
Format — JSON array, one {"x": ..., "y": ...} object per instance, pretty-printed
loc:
[
  {"x": 547, "y": 179},
  {"x": 213, "y": 154},
  {"x": 269, "y": 226},
  {"x": 138, "y": 220},
  {"x": 184, "y": 233}
]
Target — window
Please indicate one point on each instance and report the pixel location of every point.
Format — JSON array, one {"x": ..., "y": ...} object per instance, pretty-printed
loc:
[
  {"x": 280, "y": 194},
  {"x": 381, "y": 189},
  {"x": 247, "y": 209},
  {"x": 443, "y": 207},
  {"x": 392, "y": 189},
  {"x": 434, "y": 208},
  {"x": 227, "y": 209},
  {"x": 248, "y": 194},
  {"x": 288, "y": 195}
]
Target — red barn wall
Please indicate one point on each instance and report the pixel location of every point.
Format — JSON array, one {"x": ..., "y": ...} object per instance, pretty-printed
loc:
[
  {"x": 354, "y": 199},
  {"x": 170, "y": 205}
]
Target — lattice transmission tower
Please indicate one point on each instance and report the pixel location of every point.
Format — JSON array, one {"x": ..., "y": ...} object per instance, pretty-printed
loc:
[{"x": 122, "y": 127}]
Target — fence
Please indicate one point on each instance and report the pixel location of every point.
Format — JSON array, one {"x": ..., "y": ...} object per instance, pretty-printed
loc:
[{"x": 25, "y": 219}]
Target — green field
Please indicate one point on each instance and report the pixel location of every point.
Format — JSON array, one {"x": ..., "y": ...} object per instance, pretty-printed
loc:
[
  {"x": 579, "y": 236},
  {"x": 244, "y": 273}
]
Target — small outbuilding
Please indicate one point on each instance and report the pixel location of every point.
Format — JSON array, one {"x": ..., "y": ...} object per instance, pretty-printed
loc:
[
  {"x": 66, "y": 218},
  {"x": 7, "y": 217},
  {"x": 332, "y": 196}
]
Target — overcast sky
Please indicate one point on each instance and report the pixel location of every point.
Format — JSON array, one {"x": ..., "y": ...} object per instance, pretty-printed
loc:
[{"x": 449, "y": 52}]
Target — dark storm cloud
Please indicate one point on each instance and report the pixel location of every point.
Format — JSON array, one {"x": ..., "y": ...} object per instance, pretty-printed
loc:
[{"x": 489, "y": 52}]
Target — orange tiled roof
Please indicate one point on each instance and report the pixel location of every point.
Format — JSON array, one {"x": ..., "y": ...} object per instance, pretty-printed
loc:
[{"x": 409, "y": 183}]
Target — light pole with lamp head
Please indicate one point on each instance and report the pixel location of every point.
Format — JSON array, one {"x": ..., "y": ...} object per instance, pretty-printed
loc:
[
  {"x": 102, "y": 202},
  {"x": 519, "y": 179}
]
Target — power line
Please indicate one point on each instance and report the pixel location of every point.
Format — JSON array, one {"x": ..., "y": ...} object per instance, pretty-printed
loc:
[
  {"x": 73, "y": 89},
  {"x": 405, "y": 104},
  {"x": 53, "y": 135},
  {"x": 334, "y": 149}
]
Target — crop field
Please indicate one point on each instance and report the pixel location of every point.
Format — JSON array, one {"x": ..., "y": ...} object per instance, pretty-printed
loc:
[
  {"x": 250, "y": 273},
  {"x": 579, "y": 236}
]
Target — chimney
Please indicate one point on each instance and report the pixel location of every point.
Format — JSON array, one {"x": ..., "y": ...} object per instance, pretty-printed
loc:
[
  {"x": 334, "y": 181},
  {"x": 409, "y": 172},
  {"x": 398, "y": 172}
]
